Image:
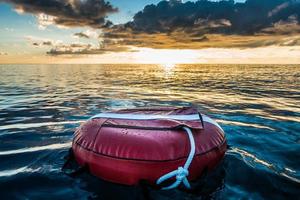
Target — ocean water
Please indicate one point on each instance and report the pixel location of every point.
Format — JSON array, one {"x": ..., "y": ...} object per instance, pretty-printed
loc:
[{"x": 258, "y": 106}]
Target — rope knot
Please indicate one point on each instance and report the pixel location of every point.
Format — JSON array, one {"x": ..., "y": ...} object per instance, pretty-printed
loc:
[{"x": 181, "y": 173}]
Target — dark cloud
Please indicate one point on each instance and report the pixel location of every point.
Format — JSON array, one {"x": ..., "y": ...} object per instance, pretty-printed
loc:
[
  {"x": 88, "y": 34},
  {"x": 70, "y": 13},
  {"x": 81, "y": 35},
  {"x": 205, "y": 16},
  {"x": 47, "y": 43},
  {"x": 41, "y": 42},
  {"x": 179, "y": 39},
  {"x": 205, "y": 24}
]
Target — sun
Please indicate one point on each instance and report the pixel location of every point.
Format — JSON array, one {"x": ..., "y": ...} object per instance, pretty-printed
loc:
[
  {"x": 165, "y": 57},
  {"x": 168, "y": 65}
]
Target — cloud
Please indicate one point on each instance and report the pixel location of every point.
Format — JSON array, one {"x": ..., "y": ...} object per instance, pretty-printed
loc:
[
  {"x": 180, "y": 39},
  {"x": 3, "y": 53},
  {"x": 86, "y": 48},
  {"x": 213, "y": 17},
  {"x": 81, "y": 35},
  {"x": 67, "y": 13},
  {"x": 44, "y": 21},
  {"x": 57, "y": 47},
  {"x": 42, "y": 42},
  {"x": 207, "y": 24},
  {"x": 284, "y": 27},
  {"x": 73, "y": 48},
  {"x": 170, "y": 25},
  {"x": 47, "y": 43},
  {"x": 88, "y": 34}
]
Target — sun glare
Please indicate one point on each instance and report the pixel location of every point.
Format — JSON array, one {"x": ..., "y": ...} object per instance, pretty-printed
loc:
[
  {"x": 168, "y": 65},
  {"x": 166, "y": 57}
]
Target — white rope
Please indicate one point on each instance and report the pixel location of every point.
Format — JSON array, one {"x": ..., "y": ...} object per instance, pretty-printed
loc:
[
  {"x": 146, "y": 116},
  {"x": 182, "y": 172},
  {"x": 149, "y": 117}
]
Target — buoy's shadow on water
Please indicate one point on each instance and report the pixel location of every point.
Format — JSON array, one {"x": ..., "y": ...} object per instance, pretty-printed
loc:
[{"x": 205, "y": 187}]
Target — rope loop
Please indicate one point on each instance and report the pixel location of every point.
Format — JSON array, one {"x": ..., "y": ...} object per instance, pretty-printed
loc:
[{"x": 181, "y": 173}]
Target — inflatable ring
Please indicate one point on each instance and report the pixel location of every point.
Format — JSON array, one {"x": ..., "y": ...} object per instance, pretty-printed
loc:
[{"x": 151, "y": 144}]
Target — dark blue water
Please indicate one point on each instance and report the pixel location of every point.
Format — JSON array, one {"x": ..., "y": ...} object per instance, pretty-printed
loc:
[{"x": 257, "y": 106}]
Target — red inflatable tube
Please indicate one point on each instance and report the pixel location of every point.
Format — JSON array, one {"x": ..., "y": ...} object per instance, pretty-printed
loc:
[{"x": 131, "y": 145}]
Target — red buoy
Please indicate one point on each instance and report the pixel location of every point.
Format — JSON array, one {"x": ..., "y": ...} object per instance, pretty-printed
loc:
[{"x": 131, "y": 145}]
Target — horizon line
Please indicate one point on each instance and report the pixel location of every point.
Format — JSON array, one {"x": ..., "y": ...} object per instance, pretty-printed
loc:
[{"x": 150, "y": 64}]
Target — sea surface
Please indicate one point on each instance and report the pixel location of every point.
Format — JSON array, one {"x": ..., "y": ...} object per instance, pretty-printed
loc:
[{"x": 258, "y": 106}]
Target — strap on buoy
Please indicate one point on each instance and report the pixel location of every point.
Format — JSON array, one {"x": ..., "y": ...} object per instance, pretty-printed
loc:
[{"x": 181, "y": 173}]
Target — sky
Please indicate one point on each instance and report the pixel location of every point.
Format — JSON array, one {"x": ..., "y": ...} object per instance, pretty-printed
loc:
[{"x": 150, "y": 31}]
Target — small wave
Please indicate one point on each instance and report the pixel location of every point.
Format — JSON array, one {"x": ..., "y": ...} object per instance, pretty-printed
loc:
[
  {"x": 36, "y": 125},
  {"x": 244, "y": 124},
  {"x": 290, "y": 177},
  {"x": 253, "y": 158},
  {"x": 42, "y": 169},
  {"x": 13, "y": 172},
  {"x": 39, "y": 148},
  {"x": 245, "y": 154}
]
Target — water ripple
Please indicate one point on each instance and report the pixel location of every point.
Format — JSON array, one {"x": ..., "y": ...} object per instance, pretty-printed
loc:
[
  {"x": 38, "y": 148},
  {"x": 12, "y": 172},
  {"x": 36, "y": 125},
  {"x": 252, "y": 160}
]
